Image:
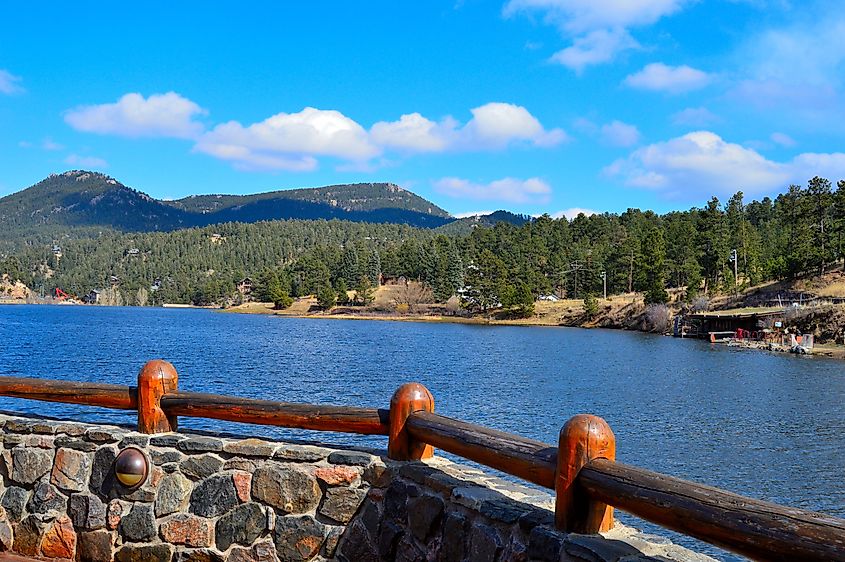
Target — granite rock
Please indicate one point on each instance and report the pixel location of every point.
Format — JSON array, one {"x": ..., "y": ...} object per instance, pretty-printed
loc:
[
  {"x": 139, "y": 525},
  {"x": 28, "y": 464},
  {"x": 341, "y": 504},
  {"x": 188, "y": 530},
  {"x": 173, "y": 495},
  {"x": 243, "y": 525},
  {"x": 288, "y": 489},
  {"x": 298, "y": 538},
  {"x": 87, "y": 512},
  {"x": 214, "y": 496},
  {"x": 71, "y": 469}
]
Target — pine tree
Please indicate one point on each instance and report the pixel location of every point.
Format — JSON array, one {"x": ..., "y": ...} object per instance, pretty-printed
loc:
[
  {"x": 364, "y": 292},
  {"x": 342, "y": 292},
  {"x": 349, "y": 268},
  {"x": 654, "y": 257},
  {"x": 326, "y": 297},
  {"x": 374, "y": 268},
  {"x": 591, "y": 306}
]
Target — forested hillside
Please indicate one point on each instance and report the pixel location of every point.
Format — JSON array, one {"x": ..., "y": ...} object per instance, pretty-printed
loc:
[
  {"x": 798, "y": 232},
  {"x": 79, "y": 203}
]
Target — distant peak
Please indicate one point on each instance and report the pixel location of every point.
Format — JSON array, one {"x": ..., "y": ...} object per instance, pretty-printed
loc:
[{"x": 82, "y": 175}]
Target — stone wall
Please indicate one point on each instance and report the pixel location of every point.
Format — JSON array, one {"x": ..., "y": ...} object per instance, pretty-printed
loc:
[
  {"x": 231, "y": 499},
  {"x": 207, "y": 498},
  {"x": 439, "y": 510}
]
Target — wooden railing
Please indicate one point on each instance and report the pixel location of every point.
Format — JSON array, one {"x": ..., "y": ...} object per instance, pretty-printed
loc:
[{"x": 582, "y": 470}]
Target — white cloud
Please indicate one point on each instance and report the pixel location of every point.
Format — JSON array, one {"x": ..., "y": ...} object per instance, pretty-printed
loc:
[
  {"x": 659, "y": 77},
  {"x": 702, "y": 163},
  {"x": 696, "y": 117},
  {"x": 783, "y": 139},
  {"x": 289, "y": 141},
  {"x": 295, "y": 141},
  {"x": 160, "y": 115},
  {"x": 574, "y": 212},
  {"x": 414, "y": 133},
  {"x": 596, "y": 47},
  {"x": 9, "y": 83},
  {"x": 598, "y": 29},
  {"x": 511, "y": 190},
  {"x": 497, "y": 124},
  {"x": 86, "y": 161},
  {"x": 579, "y": 16},
  {"x": 493, "y": 126},
  {"x": 618, "y": 133}
]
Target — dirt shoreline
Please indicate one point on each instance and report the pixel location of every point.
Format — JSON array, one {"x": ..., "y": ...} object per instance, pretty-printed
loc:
[{"x": 609, "y": 319}]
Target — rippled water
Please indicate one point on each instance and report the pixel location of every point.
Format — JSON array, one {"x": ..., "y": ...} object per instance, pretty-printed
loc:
[{"x": 765, "y": 425}]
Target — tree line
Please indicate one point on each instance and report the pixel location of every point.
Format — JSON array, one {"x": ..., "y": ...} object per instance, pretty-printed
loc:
[{"x": 798, "y": 232}]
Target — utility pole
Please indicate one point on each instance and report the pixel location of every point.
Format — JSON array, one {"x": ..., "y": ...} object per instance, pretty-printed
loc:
[
  {"x": 604, "y": 283},
  {"x": 736, "y": 279},
  {"x": 575, "y": 267}
]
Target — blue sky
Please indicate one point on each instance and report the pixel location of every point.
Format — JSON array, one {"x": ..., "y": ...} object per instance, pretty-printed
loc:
[{"x": 530, "y": 105}]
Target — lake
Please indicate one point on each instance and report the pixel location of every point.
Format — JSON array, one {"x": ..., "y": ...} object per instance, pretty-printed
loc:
[{"x": 765, "y": 425}]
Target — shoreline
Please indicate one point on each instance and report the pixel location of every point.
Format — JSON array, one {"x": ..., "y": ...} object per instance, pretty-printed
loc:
[{"x": 824, "y": 350}]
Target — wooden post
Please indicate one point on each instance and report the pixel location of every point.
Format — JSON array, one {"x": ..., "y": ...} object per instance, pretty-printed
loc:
[
  {"x": 408, "y": 398},
  {"x": 157, "y": 378},
  {"x": 582, "y": 439}
]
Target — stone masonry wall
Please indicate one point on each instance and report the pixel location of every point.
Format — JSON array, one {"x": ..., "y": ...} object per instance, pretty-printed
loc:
[
  {"x": 207, "y": 498},
  {"x": 439, "y": 510},
  {"x": 214, "y": 498}
]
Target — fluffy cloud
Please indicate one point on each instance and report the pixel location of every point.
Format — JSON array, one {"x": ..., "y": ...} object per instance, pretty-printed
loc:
[
  {"x": 296, "y": 141},
  {"x": 160, "y": 115},
  {"x": 578, "y": 16},
  {"x": 671, "y": 79},
  {"x": 511, "y": 190},
  {"x": 493, "y": 126},
  {"x": 618, "y": 133},
  {"x": 414, "y": 133},
  {"x": 702, "y": 163},
  {"x": 598, "y": 29},
  {"x": 574, "y": 212},
  {"x": 289, "y": 141},
  {"x": 695, "y": 116},
  {"x": 596, "y": 47},
  {"x": 9, "y": 83},
  {"x": 86, "y": 161},
  {"x": 497, "y": 124}
]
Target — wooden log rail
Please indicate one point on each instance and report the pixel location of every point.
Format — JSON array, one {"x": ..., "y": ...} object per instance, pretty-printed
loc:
[
  {"x": 366, "y": 421},
  {"x": 582, "y": 469}
]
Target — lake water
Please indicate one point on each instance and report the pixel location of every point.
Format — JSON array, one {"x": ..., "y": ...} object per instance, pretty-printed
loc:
[{"x": 764, "y": 425}]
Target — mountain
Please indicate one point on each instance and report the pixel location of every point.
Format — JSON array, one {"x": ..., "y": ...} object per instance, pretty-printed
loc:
[
  {"x": 467, "y": 224},
  {"x": 87, "y": 201}
]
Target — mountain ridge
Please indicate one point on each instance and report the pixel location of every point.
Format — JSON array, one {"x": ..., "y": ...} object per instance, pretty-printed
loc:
[
  {"x": 83, "y": 203},
  {"x": 79, "y": 198}
]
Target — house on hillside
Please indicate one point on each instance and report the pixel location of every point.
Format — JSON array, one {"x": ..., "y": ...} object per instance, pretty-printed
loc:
[
  {"x": 92, "y": 298},
  {"x": 245, "y": 286}
]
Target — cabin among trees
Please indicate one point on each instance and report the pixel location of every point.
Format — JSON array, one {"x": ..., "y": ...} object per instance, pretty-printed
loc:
[{"x": 245, "y": 287}]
